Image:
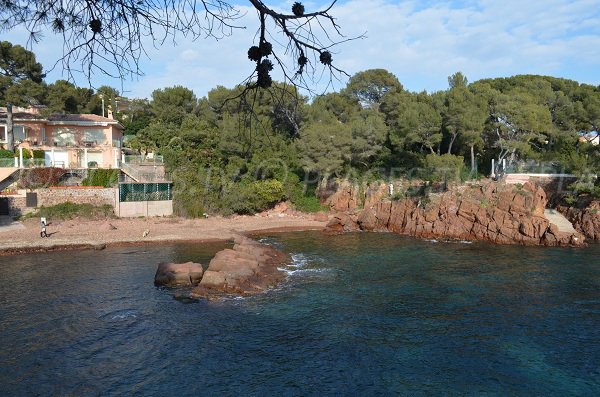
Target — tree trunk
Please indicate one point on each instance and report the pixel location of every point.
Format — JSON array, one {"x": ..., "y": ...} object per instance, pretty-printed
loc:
[
  {"x": 472, "y": 161},
  {"x": 451, "y": 143},
  {"x": 9, "y": 128}
]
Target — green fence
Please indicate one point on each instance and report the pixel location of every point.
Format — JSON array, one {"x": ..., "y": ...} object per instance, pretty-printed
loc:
[
  {"x": 145, "y": 192},
  {"x": 7, "y": 162}
]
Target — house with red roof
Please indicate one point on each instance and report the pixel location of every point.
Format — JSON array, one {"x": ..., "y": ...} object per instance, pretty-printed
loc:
[{"x": 68, "y": 140}]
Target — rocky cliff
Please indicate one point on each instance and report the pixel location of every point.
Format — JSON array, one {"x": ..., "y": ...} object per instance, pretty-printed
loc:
[
  {"x": 585, "y": 220},
  {"x": 490, "y": 211}
]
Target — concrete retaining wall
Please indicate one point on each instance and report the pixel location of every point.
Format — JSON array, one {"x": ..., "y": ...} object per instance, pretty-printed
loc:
[{"x": 144, "y": 208}]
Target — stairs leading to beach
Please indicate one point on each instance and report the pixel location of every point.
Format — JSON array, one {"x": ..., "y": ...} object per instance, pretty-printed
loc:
[
  {"x": 7, "y": 177},
  {"x": 559, "y": 220}
]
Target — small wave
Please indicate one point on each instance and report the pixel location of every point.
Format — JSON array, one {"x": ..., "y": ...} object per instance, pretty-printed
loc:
[
  {"x": 121, "y": 315},
  {"x": 435, "y": 241},
  {"x": 305, "y": 271}
]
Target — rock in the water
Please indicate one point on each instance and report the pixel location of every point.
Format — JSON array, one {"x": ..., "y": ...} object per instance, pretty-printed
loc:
[
  {"x": 248, "y": 268},
  {"x": 178, "y": 274}
]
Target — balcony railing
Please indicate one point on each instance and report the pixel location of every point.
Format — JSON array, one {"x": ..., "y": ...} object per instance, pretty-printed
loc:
[{"x": 141, "y": 159}]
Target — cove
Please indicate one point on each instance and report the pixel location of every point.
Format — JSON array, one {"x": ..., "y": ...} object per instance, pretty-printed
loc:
[{"x": 359, "y": 314}]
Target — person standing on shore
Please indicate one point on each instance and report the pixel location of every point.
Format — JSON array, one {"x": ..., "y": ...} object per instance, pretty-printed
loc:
[{"x": 43, "y": 228}]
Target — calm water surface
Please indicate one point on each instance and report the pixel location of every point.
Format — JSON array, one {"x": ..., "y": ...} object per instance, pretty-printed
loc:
[{"x": 360, "y": 314}]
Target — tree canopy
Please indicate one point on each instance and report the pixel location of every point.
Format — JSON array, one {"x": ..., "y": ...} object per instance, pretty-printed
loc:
[{"x": 224, "y": 158}]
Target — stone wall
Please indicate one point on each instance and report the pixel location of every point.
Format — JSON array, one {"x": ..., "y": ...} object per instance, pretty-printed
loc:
[
  {"x": 17, "y": 206},
  {"x": 78, "y": 195}
]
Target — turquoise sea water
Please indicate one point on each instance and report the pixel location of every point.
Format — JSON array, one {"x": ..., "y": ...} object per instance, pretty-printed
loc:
[{"x": 360, "y": 314}]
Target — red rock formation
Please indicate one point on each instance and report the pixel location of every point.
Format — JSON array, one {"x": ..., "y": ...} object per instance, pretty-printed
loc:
[
  {"x": 490, "y": 212},
  {"x": 585, "y": 220},
  {"x": 345, "y": 198},
  {"x": 176, "y": 274},
  {"x": 340, "y": 223},
  {"x": 248, "y": 268}
]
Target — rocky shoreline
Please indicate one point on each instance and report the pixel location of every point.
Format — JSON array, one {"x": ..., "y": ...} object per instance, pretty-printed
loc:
[{"x": 493, "y": 212}]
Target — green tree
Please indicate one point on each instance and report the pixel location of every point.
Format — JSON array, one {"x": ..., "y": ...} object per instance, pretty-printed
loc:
[
  {"x": 20, "y": 81},
  {"x": 172, "y": 104},
  {"x": 368, "y": 138},
  {"x": 325, "y": 148},
  {"x": 464, "y": 114},
  {"x": 421, "y": 124},
  {"x": 370, "y": 86},
  {"x": 64, "y": 96},
  {"x": 457, "y": 80}
]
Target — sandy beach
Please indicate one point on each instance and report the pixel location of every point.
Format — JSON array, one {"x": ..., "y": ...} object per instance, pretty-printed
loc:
[{"x": 24, "y": 236}]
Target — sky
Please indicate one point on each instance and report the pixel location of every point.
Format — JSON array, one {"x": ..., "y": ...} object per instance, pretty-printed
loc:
[{"x": 420, "y": 42}]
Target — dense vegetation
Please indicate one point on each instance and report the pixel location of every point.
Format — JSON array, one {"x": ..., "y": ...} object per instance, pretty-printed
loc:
[{"x": 230, "y": 153}]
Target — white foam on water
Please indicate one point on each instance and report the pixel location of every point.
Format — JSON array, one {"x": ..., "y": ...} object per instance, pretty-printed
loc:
[
  {"x": 301, "y": 266},
  {"x": 450, "y": 241}
]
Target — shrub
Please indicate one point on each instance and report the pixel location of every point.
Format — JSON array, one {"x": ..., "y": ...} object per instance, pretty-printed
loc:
[
  {"x": 36, "y": 178},
  {"x": 71, "y": 210},
  {"x": 569, "y": 199},
  {"x": 188, "y": 203},
  {"x": 6, "y": 154},
  {"x": 102, "y": 177},
  {"x": 269, "y": 191},
  {"x": 38, "y": 154},
  {"x": 306, "y": 201},
  {"x": 446, "y": 167}
]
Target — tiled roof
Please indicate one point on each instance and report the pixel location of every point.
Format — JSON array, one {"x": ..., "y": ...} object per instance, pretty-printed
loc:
[
  {"x": 81, "y": 117},
  {"x": 23, "y": 116},
  {"x": 62, "y": 118}
]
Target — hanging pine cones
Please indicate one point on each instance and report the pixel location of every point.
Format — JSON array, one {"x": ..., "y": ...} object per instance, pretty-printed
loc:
[
  {"x": 325, "y": 58},
  {"x": 298, "y": 9}
]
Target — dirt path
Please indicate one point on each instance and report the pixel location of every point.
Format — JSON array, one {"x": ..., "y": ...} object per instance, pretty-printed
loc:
[{"x": 98, "y": 234}]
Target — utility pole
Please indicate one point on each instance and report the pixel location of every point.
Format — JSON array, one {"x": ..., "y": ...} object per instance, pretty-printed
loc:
[
  {"x": 9, "y": 127},
  {"x": 102, "y": 98}
]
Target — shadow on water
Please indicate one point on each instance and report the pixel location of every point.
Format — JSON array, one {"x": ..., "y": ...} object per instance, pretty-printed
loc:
[{"x": 359, "y": 314}]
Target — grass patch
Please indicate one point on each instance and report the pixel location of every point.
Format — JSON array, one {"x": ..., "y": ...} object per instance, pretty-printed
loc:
[{"x": 70, "y": 210}]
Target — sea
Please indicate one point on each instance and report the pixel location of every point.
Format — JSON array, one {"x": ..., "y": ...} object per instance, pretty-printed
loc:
[{"x": 360, "y": 314}]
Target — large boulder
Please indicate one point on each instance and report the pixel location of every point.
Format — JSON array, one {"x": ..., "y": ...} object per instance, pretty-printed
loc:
[
  {"x": 340, "y": 223},
  {"x": 249, "y": 267},
  {"x": 178, "y": 274}
]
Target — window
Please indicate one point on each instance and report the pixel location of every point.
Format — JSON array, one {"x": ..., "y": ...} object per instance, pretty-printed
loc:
[
  {"x": 2, "y": 133},
  {"x": 64, "y": 137},
  {"x": 18, "y": 133},
  {"x": 93, "y": 136}
]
